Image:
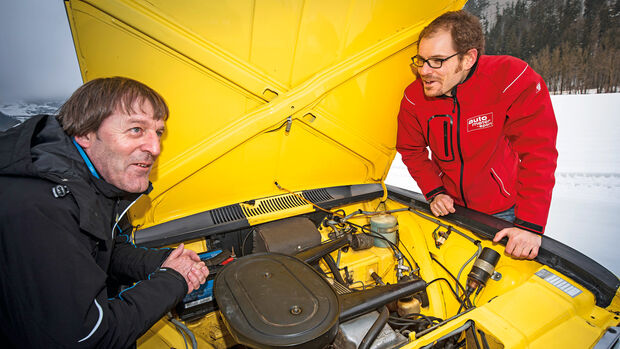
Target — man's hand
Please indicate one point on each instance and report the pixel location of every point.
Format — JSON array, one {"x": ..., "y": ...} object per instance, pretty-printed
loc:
[
  {"x": 188, "y": 264},
  {"x": 442, "y": 204},
  {"x": 521, "y": 243}
]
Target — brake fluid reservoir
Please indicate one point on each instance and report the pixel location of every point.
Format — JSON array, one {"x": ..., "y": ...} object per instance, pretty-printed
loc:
[{"x": 385, "y": 225}]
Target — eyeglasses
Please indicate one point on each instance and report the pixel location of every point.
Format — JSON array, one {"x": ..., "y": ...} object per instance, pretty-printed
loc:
[{"x": 432, "y": 62}]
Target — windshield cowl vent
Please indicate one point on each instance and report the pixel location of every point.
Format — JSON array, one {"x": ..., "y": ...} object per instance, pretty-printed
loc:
[
  {"x": 317, "y": 195},
  {"x": 227, "y": 214},
  {"x": 274, "y": 204}
]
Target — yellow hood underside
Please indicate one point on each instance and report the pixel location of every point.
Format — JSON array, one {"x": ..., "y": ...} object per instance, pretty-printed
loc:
[{"x": 305, "y": 93}]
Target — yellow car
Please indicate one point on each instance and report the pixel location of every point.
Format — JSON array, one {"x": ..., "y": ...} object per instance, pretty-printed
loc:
[{"x": 281, "y": 134}]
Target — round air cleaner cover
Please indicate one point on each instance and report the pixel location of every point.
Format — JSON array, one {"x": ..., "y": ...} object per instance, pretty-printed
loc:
[{"x": 271, "y": 300}]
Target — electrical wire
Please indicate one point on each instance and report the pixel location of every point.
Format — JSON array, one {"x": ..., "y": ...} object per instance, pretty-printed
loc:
[
  {"x": 449, "y": 273},
  {"x": 385, "y": 193},
  {"x": 432, "y": 328},
  {"x": 342, "y": 215},
  {"x": 449, "y": 284},
  {"x": 373, "y": 234},
  {"x": 476, "y": 254},
  {"x": 416, "y": 270},
  {"x": 476, "y": 297},
  {"x": 438, "y": 222},
  {"x": 475, "y": 242},
  {"x": 358, "y": 282},
  {"x": 368, "y": 213},
  {"x": 379, "y": 205},
  {"x": 182, "y": 328},
  {"x": 372, "y": 213},
  {"x": 398, "y": 253},
  {"x": 405, "y": 319},
  {"x": 405, "y": 324},
  {"x": 465, "y": 298},
  {"x": 390, "y": 243},
  {"x": 244, "y": 241}
]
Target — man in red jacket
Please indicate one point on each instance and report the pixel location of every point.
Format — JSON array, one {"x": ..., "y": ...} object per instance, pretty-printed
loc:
[{"x": 490, "y": 126}]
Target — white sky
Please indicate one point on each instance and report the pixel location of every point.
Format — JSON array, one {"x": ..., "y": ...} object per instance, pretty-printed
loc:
[{"x": 37, "y": 56}]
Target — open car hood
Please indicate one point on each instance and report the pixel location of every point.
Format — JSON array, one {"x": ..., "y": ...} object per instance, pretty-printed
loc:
[
  {"x": 300, "y": 93},
  {"x": 305, "y": 94}
]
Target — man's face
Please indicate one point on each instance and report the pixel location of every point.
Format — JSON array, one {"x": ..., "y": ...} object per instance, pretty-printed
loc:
[
  {"x": 440, "y": 81},
  {"x": 124, "y": 147}
]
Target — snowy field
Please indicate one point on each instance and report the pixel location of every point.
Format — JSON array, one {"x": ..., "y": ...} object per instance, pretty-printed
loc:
[{"x": 586, "y": 197}]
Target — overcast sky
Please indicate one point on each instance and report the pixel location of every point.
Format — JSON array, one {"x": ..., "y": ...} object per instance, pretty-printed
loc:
[{"x": 37, "y": 55}]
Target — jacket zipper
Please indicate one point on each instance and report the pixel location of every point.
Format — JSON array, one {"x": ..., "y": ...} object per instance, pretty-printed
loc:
[
  {"x": 115, "y": 214},
  {"x": 445, "y": 138},
  {"x": 458, "y": 141}
]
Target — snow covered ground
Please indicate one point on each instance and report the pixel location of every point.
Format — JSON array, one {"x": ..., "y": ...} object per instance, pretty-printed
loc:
[
  {"x": 586, "y": 197},
  {"x": 20, "y": 110}
]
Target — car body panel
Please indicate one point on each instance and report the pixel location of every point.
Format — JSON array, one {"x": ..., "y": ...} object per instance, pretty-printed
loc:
[{"x": 259, "y": 91}]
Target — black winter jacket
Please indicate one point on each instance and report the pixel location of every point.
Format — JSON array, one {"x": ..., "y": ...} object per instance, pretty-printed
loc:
[{"x": 58, "y": 255}]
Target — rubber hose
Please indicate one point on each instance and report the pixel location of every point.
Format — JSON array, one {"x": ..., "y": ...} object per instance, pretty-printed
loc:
[
  {"x": 375, "y": 329},
  {"x": 329, "y": 260}
]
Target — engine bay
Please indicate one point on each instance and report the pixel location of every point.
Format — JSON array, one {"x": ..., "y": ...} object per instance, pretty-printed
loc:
[
  {"x": 371, "y": 273},
  {"x": 339, "y": 279}
]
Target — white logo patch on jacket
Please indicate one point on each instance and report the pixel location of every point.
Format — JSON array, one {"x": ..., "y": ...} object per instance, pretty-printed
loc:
[{"x": 480, "y": 122}]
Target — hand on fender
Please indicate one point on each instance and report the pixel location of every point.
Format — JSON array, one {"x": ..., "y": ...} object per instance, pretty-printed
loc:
[
  {"x": 188, "y": 264},
  {"x": 442, "y": 204},
  {"x": 521, "y": 243}
]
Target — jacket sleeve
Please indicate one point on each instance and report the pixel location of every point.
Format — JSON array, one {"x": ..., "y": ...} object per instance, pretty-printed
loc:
[
  {"x": 412, "y": 147},
  {"x": 131, "y": 263},
  {"x": 58, "y": 291},
  {"x": 532, "y": 130}
]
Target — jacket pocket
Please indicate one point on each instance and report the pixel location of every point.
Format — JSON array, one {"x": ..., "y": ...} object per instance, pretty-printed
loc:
[
  {"x": 503, "y": 188},
  {"x": 439, "y": 130}
]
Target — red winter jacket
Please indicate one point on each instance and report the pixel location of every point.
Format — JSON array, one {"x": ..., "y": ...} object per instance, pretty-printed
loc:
[{"x": 492, "y": 143}]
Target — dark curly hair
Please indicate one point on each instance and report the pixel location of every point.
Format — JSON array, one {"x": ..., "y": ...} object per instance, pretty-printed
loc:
[{"x": 464, "y": 27}]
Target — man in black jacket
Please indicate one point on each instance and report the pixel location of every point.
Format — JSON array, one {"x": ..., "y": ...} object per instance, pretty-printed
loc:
[{"x": 65, "y": 184}]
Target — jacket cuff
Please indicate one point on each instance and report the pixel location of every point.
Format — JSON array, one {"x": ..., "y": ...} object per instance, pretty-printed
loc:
[
  {"x": 431, "y": 194},
  {"x": 531, "y": 227},
  {"x": 176, "y": 275},
  {"x": 166, "y": 252}
]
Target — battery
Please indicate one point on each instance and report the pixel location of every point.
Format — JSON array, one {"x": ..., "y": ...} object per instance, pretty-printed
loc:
[{"x": 200, "y": 302}]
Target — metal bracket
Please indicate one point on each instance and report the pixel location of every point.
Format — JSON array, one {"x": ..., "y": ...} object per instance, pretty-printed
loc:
[{"x": 289, "y": 123}]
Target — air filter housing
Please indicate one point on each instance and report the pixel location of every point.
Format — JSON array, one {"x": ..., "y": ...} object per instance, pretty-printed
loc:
[{"x": 276, "y": 301}]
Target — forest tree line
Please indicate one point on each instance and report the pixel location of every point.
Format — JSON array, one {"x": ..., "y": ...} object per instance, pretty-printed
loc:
[{"x": 573, "y": 44}]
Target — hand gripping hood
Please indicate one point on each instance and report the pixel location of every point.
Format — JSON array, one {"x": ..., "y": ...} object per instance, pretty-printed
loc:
[{"x": 305, "y": 93}]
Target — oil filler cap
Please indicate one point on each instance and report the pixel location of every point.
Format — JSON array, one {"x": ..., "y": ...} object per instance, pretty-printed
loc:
[{"x": 272, "y": 300}]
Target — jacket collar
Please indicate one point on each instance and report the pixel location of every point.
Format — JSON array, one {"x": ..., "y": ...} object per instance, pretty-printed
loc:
[
  {"x": 469, "y": 75},
  {"x": 40, "y": 148}
]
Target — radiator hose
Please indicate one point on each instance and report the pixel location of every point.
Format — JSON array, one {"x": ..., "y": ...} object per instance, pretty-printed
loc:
[{"x": 375, "y": 329}]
